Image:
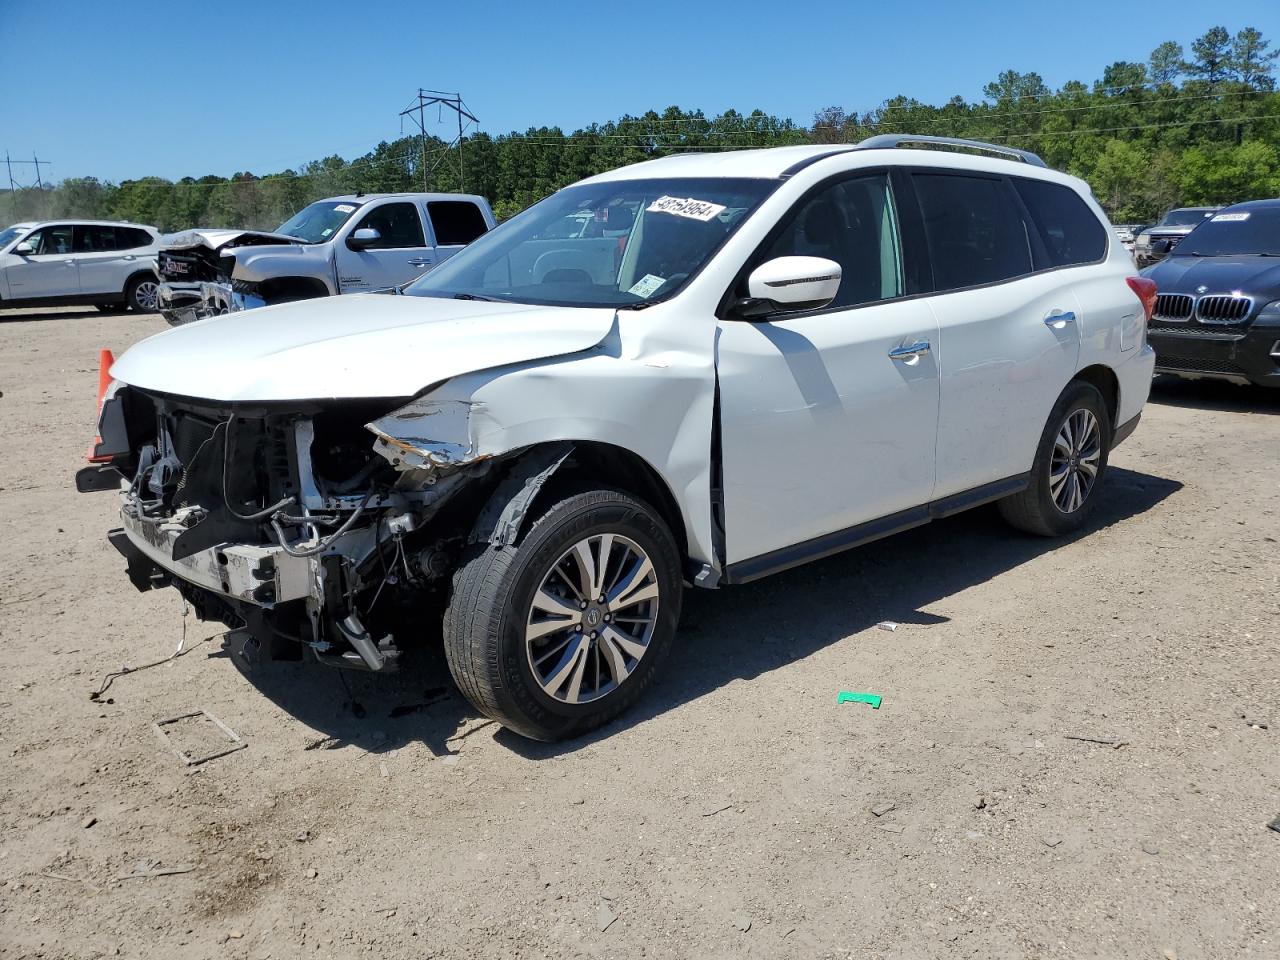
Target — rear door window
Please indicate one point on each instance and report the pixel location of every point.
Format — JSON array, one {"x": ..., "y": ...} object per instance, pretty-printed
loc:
[
  {"x": 1068, "y": 229},
  {"x": 398, "y": 223},
  {"x": 456, "y": 221},
  {"x": 93, "y": 238},
  {"x": 974, "y": 230}
]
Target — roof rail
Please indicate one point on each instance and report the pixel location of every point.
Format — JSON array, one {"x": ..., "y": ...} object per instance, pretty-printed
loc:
[{"x": 888, "y": 141}]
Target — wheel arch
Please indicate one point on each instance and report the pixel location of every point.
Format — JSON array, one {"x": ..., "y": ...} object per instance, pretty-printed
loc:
[
  {"x": 1107, "y": 383},
  {"x": 142, "y": 273},
  {"x": 561, "y": 468},
  {"x": 283, "y": 289}
]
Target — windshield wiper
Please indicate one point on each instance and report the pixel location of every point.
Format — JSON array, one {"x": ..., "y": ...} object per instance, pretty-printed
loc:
[
  {"x": 636, "y": 306},
  {"x": 473, "y": 296}
]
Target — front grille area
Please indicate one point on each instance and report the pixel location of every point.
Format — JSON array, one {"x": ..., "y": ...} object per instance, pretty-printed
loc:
[
  {"x": 1197, "y": 365},
  {"x": 1223, "y": 309},
  {"x": 1173, "y": 306}
]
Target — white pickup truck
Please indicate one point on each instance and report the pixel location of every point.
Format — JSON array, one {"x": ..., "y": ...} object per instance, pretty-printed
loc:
[{"x": 350, "y": 244}]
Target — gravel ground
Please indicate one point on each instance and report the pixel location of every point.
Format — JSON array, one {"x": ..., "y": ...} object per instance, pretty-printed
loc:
[{"x": 732, "y": 814}]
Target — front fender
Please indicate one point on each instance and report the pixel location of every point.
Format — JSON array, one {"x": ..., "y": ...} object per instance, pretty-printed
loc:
[
  {"x": 658, "y": 407},
  {"x": 258, "y": 264}
]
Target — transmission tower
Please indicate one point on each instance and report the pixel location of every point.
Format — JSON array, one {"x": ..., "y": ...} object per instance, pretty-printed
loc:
[
  {"x": 416, "y": 111},
  {"x": 14, "y": 186}
]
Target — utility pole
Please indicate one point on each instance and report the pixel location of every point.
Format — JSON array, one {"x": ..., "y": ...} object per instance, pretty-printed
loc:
[{"x": 416, "y": 111}]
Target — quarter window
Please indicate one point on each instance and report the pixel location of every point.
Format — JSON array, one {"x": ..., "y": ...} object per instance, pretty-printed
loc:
[
  {"x": 974, "y": 230},
  {"x": 1068, "y": 229},
  {"x": 398, "y": 223},
  {"x": 131, "y": 238},
  {"x": 854, "y": 224}
]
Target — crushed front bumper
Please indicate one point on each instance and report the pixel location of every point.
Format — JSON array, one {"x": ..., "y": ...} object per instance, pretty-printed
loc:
[
  {"x": 260, "y": 575},
  {"x": 186, "y": 302}
]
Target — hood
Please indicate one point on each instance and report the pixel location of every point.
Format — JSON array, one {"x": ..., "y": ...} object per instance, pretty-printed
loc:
[
  {"x": 354, "y": 346},
  {"x": 1171, "y": 231},
  {"x": 215, "y": 240},
  {"x": 1257, "y": 276}
]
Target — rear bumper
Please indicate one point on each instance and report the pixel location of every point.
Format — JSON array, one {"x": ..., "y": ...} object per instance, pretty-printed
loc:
[{"x": 1250, "y": 355}]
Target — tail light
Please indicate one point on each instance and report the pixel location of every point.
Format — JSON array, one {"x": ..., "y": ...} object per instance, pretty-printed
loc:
[{"x": 1146, "y": 291}]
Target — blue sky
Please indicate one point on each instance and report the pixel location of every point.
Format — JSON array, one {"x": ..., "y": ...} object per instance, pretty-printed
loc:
[{"x": 118, "y": 89}]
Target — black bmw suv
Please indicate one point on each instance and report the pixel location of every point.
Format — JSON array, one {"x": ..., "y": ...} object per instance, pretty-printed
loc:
[{"x": 1218, "y": 309}]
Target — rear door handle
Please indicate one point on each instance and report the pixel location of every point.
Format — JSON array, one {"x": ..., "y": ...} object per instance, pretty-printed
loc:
[
  {"x": 1058, "y": 319},
  {"x": 419, "y": 263},
  {"x": 909, "y": 351},
  {"x": 130, "y": 256}
]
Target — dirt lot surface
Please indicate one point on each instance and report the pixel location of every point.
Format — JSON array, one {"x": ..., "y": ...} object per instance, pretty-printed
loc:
[{"x": 731, "y": 816}]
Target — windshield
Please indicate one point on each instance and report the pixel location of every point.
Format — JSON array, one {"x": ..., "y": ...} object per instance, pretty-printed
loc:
[
  {"x": 618, "y": 244},
  {"x": 318, "y": 222},
  {"x": 1234, "y": 233},
  {"x": 10, "y": 234},
  {"x": 1184, "y": 218}
]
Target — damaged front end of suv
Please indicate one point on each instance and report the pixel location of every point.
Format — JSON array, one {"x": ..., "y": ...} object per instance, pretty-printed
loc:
[{"x": 318, "y": 526}]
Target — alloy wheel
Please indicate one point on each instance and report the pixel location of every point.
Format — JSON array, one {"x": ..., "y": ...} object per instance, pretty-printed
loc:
[
  {"x": 592, "y": 618},
  {"x": 1073, "y": 468},
  {"x": 147, "y": 294}
]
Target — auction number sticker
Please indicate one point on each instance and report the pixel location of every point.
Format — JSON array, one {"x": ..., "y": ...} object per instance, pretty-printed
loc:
[
  {"x": 687, "y": 207},
  {"x": 1231, "y": 218},
  {"x": 647, "y": 285},
  {"x": 343, "y": 208}
]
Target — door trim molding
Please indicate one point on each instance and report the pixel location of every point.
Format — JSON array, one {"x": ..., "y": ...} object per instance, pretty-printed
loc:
[{"x": 744, "y": 571}]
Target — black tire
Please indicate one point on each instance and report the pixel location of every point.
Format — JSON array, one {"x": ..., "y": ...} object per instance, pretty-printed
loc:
[
  {"x": 1035, "y": 510},
  {"x": 135, "y": 293},
  {"x": 491, "y": 603}
]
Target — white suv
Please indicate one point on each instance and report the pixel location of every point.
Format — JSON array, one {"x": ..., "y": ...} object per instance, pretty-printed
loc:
[
  {"x": 58, "y": 263},
  {"x": 768, "y": 356}
]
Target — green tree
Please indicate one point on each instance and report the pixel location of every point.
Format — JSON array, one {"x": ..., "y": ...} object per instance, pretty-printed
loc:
[
  {"x": 1211, "y": 60},
  {"x": 1252, "y": 62},
  {"x": 1165, "y": 64}
]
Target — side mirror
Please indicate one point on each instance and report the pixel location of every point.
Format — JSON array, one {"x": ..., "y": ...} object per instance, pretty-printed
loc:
[
  {"x": 789, "y": 284},
  {"x": 362, "y": 238},
  {"x": 24, "y": 249},
  {"x": 1160, "y": 246}
]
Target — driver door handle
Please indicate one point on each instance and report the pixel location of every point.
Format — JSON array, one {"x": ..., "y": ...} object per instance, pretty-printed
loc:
[
  {"x": 1058, "y": 319},
  {"x": 909, "y": 351},
  {"x": 419, "y": 262}
]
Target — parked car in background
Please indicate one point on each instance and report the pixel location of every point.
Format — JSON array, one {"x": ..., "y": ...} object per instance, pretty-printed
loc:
[
  {"x": 1154, "y": 243},
  {"x": 59, "y": 263},
  {"x": 784, "y": 354},
  {"x": 1218, "y": 311},
  {"x": 1127, "y": 233},
  {"x": 350, "y": 244}
]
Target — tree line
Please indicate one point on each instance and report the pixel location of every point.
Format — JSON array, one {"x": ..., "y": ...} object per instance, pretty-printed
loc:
[{"x": 1185, "y": 126}]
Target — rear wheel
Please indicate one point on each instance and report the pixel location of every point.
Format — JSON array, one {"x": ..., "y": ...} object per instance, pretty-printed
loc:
[
  {"x": 1069, "y": 466},
  {"x": 142, "y": 294},
  {"x": 565, "y": 630}
]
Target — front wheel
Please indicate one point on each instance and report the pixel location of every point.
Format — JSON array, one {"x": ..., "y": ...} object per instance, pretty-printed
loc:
[
  {"x": 565, "y": 630},
  {"x": 1069, "y": 466}
]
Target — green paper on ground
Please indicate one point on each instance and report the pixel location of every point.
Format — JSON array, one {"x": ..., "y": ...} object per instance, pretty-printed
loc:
[{"x": 872, "y": 698}]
